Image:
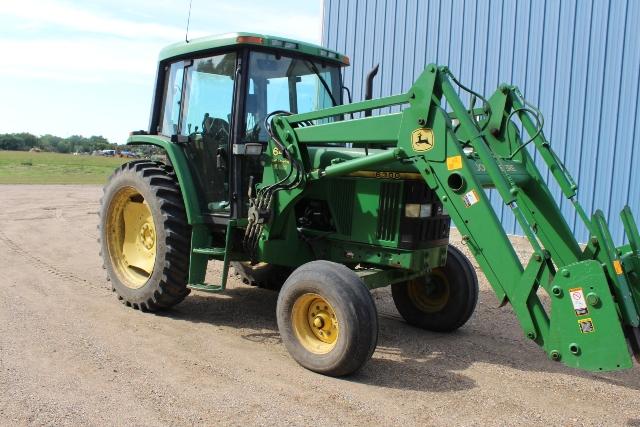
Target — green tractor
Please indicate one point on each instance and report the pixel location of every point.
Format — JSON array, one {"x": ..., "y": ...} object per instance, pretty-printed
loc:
[{"x": 270, "y": 172}]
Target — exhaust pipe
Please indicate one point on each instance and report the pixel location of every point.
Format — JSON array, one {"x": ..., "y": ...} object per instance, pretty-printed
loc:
[{"x": 368, "y": 92}]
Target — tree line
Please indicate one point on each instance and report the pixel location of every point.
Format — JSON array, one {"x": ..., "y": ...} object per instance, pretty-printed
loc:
[{"x": 74, "y": 144}]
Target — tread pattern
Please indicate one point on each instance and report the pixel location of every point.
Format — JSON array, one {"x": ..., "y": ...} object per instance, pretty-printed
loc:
[
  {"x": 471, "y": 279},
  {"x": 171, "y": 288}
]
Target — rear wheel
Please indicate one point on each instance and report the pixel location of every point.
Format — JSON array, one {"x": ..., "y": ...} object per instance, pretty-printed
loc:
[
  {"x": 327, "y": 318},
  {"x": 144, "y": 236},
  {"x": 442, "y": 300}
]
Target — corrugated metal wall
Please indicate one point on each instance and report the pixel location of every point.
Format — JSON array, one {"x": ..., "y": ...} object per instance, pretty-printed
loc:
[{"x": 578, "y": 60}]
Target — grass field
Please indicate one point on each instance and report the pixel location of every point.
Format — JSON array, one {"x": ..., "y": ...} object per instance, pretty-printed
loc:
[{"x": 21, "y": 167}]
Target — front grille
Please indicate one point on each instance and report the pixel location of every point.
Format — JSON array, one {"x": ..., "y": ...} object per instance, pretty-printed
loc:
[
  {"x": 342, "y": 197},
  {"x": 389, "y": 210}
]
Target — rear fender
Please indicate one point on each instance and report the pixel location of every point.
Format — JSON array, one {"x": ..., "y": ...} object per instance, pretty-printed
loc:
[{"x": 183, "y": 172}]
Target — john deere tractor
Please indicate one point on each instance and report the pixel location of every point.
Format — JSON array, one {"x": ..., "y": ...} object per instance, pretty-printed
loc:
[{"x": 270, "y": 172}]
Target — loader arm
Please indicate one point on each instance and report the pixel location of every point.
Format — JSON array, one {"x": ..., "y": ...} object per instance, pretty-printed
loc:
[{"x": 459, "y": 152}]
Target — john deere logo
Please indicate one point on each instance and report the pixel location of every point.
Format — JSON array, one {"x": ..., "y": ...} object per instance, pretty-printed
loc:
[{"x": 422, "y": 139}]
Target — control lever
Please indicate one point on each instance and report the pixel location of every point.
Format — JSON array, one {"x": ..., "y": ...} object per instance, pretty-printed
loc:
[{"x": 221, "y": 158}]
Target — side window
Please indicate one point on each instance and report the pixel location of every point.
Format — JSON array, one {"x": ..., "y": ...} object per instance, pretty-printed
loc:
[
  {"x": 311, "y": 94},
  {"x": 171, "y": 101},
  {"x": 308, "y": 93},
  {"x": 209, "y": 94},
  {"x": 278, "y": 94}
]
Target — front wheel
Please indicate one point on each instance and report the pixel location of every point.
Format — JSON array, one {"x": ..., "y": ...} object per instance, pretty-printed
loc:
[
  {"x": 442, "y": 300},
  {"x": 327, "y": 318}
]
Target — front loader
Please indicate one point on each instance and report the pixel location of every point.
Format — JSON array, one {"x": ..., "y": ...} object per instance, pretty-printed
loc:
[{"x": 271, "y": 173}]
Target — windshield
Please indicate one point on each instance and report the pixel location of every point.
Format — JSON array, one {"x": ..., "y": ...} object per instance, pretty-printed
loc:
[{"x": 294, "y": 84}]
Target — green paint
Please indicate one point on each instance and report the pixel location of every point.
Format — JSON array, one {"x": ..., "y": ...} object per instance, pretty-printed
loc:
[
  {"x": 376, "y": 278},
  {"x": 182, "y": 169},
  {"x": 196, "y": 275},
  {"x": 605, "y": 348},
  {"x": 230, "y": 40}
]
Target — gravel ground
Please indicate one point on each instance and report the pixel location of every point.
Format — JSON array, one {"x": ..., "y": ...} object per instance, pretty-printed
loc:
[{"x": 70, "y": 353}]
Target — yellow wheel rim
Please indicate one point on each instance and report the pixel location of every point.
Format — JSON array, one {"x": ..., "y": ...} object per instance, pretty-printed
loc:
[
  {"x": 429, "y": 294},
  {"x": 315, "y": 323},
  {"x": 131, "y": 237}
]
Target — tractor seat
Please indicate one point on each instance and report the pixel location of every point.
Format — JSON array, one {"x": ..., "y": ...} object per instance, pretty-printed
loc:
[{"x": 215, "y": 127}]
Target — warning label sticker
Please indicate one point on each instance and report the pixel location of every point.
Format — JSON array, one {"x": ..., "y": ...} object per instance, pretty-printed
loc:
[
  {"x": 454, "y": 163},
  {"x": 578, "y": 301},
  {"x": 586, "y": 325},
  {"x": 471, "y": 198},
  {"x": 617, "y": 265}
]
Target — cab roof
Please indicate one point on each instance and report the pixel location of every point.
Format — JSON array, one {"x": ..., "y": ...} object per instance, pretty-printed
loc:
[{"x": 233, "y": 39}]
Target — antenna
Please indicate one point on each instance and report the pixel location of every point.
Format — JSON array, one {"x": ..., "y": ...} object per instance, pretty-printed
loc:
[{"x": 186, "y": 35}]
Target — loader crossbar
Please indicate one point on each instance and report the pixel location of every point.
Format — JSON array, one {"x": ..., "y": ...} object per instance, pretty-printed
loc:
[{"x": 594, "y": 293}]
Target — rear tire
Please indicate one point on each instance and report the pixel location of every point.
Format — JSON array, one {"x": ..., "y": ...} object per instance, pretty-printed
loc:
[
  {"x": 327, "y": 318},
  {"x": 443, "y": 300},
  {"x": 144, "y": 236}
]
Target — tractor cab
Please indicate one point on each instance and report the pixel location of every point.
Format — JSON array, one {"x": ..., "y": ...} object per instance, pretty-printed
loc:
[{"x": 213, "y": 96}]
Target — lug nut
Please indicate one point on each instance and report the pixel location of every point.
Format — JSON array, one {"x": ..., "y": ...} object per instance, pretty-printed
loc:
[{"x": 318, "y": 322}]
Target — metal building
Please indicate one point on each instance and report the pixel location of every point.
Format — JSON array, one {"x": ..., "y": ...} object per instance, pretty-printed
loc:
[{"x": 578, "y": 60}]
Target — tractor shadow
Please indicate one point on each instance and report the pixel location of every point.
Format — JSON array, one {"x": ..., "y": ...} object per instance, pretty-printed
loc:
[{"x": 406, "y": 358}]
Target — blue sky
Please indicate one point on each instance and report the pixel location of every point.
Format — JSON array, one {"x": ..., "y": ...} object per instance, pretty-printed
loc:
[{"x": 87, "y": 67}]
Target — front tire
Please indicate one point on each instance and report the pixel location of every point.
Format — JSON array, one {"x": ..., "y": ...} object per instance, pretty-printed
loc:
[
  {"x": 441, "y": 301},
  {"x": 327, "y": 318},
  {"x": 144, "y": 236}
]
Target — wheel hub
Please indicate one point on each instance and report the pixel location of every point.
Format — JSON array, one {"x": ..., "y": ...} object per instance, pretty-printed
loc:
[
  {"x": 322, "y": 323},
  {"x": 315, "y": 323},
  {"x": 318, "y": 322},
  {"x": 430, "y": 294},
  {"x": 147, "y": 236},
  {"x": 131, "y": 237}
]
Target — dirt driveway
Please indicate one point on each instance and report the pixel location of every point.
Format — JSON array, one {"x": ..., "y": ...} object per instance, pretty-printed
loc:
[{"x": 70, "y": 353}]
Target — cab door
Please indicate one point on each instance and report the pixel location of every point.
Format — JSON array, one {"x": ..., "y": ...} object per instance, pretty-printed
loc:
[{"x": 206, "y": 119}]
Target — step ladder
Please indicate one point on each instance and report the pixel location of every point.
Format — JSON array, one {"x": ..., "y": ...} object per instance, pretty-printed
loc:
[{"x": 203, "y": 254}]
